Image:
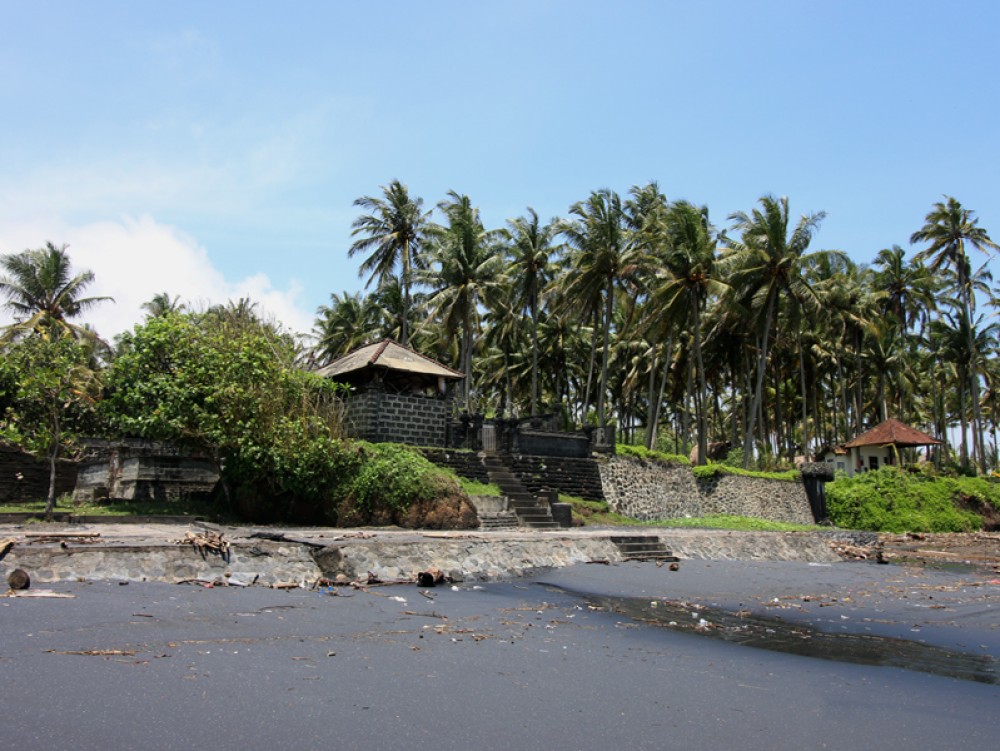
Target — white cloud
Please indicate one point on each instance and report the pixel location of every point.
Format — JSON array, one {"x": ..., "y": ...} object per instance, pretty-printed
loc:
[{"x": 135, "y": 258}]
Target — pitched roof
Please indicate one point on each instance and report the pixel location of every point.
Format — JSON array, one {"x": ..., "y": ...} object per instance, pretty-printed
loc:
[
  {"x": 892, "y": 432},
  {"x": 390, "y": 355}
]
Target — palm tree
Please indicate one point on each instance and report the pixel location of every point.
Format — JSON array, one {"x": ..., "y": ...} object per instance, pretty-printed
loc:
[
  {"x": 162, "y": 304},
  {"x": 604, "y": 258},
  {"x": 530, "y": 245},
  {"x": 767, "y": 267},
  {"x": 344, "y": 325},
  {"x": 393, "y": 232},
  {"x": 43, "y": 295},
  {"x": 948, "y": 229},
  {"x": 465, "y": 265},
  {"x": 685, "y": 284}
]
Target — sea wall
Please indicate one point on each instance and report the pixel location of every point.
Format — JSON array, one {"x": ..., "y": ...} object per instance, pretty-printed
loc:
[{"x": 652, "y": 490}]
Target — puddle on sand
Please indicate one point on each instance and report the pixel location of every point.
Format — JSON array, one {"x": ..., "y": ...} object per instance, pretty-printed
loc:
[{"x": 768, "y": 632}]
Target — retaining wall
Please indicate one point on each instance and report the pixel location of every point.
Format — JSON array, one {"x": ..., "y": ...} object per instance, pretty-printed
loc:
[{"x": 651, "y": 491}]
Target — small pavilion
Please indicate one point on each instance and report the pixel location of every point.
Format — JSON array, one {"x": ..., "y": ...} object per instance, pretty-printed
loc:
[
  {"x": 877, "y": 447},
  {"x": 397, "y": 394}
]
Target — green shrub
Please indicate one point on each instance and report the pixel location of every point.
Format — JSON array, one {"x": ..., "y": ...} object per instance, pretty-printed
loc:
[{"x": 888, "y": 500}]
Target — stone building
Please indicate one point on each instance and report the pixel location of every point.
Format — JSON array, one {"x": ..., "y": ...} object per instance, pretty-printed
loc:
[{"x": 397, "y": 394}]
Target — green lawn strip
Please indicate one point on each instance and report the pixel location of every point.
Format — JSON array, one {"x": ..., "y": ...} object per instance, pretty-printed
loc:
[{"x": 599, "y": 514}]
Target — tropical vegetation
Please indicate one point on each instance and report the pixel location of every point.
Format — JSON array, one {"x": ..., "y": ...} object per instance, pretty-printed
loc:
[{"x": 637, "y": 311}]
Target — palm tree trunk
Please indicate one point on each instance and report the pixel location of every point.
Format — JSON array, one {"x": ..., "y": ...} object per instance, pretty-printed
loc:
[
  {"x": 534, "y": 352},
  {"x": 404, "y": 333},
  {"x": 759, "y": 388},
  {"x": 608, "y": 311},
  {"x": 699, "y": 401}
]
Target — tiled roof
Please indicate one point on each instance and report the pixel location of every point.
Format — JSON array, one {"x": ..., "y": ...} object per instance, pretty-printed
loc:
[
  {"x": 391, "y": 355},
  {"x": 893, "y": 432}
]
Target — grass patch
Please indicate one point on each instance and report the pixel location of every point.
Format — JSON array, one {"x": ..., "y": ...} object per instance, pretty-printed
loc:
[
  {"x": 743, "y": 523},
  {"x": 474, "y": 487},
  {"x": 711, "y": 470},
  {"x": 641, "y": 452},
  {"x": 599, "y": 514},
  {"x": 65, "y": 505}
]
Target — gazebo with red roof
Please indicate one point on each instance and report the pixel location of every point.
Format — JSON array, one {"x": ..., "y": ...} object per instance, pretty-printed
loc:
[{"x": 878, "y": 446}]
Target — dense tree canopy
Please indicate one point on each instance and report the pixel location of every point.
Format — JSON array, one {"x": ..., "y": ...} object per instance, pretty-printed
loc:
[{"x": 642, "y": 313}]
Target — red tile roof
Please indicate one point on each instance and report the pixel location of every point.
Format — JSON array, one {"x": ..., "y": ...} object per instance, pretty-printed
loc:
[{"x": 893, "y": 432}]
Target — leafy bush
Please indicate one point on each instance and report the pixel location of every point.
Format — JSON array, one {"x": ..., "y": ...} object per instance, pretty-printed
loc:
[
  {"x": 889, "y": 500},
  {"x": 229, "y": 387}
]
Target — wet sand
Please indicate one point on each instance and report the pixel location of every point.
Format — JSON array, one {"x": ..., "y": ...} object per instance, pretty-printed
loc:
[{"x": 575, "y": 658}]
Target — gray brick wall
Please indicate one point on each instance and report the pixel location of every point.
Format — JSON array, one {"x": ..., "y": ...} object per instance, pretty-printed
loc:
[{"x": 401, "y": 418}]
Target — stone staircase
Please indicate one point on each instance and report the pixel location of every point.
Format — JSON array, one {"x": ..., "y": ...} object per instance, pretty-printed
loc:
[
  {"x": 643, "y": 548},
  {"x": 530, "y": 512},
  {"x": 498, "y": 520}
]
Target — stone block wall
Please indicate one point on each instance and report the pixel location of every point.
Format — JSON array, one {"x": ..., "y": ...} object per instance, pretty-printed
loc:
[
  {"x": 142, "y": 471},
  {"x": 467, "y": 464},
  {"x": 378, "y": 416},
  {"x": 25, "y": 478},
  {"x": 652, "y": 491},
  {"x": 579, "y": 477}
]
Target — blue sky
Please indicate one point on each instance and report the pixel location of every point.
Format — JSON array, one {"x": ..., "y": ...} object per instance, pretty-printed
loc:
[{"x": 213, "y": 150}]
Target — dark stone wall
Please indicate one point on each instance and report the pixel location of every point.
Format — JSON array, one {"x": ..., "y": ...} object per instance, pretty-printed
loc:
[
  {"x": 579, "y": 477},
  {"x": 24, "y": 478},
  {"x": 378, "y": 416},
  {"x": 142, "y": 471},
  {"x": 467, "y": 464}
]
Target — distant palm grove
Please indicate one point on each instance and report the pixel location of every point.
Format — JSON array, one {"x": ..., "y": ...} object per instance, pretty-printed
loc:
[
  {"x": 632, "y": 310},
  {"x": 636, "y": 310}
]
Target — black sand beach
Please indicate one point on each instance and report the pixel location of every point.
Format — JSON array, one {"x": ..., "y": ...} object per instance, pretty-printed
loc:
[{"x": 575, "y": 658}]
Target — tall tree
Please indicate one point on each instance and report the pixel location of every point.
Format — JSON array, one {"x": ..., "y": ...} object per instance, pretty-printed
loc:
[
  {"x": 348, "y": 322},
  {"x": 466, "y": 262},
  {"x": 43, "y": 294},
  {"x": 604, "y": 258},
  {"x": 52, "y": 401},
  {"x": 685, "y": 284},
  {"x": 948, "y": 228},
  {"x": 767, "y": 265},
  {"x": 530, "y": 245},
  {"x": 392, "y": 232}
]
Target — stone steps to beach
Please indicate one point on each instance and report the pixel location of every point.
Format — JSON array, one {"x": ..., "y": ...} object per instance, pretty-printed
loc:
[
  {"x": 643, "y": 548},
  {"x": 529, "y": 511}
]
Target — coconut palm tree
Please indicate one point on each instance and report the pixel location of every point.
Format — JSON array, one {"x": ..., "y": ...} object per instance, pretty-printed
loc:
[
  {"x": 347, "y": 323},
  {"x": 43, "y": 294},
  {"x": 465, "y": 264},
  {"x": 684, "y": 286},
  {"x": 948, "y": 229},
  {"x": 530, "y": 243},
  {"x": 162, "y": 304},
  {"x": 603, "y": 259},
  {"x": 392, "y": 231},
  {"x": 766, "y": 270}
]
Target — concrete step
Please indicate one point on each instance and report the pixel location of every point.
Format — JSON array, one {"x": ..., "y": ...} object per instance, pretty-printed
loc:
[{"x": 643, "y": 548}]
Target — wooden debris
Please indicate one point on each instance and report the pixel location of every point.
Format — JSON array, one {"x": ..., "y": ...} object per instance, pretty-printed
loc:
[
  {"x": 95, "y": 652},
  {"x": 45, "y": 593},
  {"x": 206, "y": 541},
  {"x": 5, "y": 545}
]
